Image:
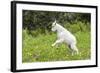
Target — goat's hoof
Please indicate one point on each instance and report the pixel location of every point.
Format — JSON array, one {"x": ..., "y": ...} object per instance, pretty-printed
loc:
[{"x": 52, "y": 45}]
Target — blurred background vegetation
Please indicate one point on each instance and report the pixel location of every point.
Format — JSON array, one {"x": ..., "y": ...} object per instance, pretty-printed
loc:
[{"x": 41, "y": 21}]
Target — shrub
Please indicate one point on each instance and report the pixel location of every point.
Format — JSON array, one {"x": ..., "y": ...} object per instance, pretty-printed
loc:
[{"x": 77, "y": 26}]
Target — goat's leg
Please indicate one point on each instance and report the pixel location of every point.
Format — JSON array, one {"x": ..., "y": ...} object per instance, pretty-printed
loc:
[
  {"x": 74, "y": 49},
  {"x": 57, "y": 42},
  {"x": 71, "y": 51}
]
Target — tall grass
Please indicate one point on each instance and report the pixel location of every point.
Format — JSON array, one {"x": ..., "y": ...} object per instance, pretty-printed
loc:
[{"x": 39, "y": 49}]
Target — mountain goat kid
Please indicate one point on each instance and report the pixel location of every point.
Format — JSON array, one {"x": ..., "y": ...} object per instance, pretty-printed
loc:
[{"x": 63, "y": 35}]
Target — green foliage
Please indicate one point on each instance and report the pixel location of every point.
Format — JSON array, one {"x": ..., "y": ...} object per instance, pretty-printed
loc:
[
  {"x": 74, "y": 28},
  {"x": 77, "y": 26},
  {"x": 39, "y": 49},
  {"x": 42, "y": 20}
]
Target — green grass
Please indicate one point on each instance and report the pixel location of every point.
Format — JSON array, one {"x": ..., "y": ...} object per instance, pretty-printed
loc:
[{"x": 39, "y": 49}]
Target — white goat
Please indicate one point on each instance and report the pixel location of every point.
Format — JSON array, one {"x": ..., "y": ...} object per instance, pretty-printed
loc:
[{"x": 63, "y": 35}]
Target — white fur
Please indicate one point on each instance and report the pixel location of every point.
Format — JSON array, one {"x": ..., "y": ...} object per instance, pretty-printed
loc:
[{"x": 63, "y": 35}]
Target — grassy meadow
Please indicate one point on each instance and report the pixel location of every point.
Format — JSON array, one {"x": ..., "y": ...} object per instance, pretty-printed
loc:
[{"x": 38, "y": 48}]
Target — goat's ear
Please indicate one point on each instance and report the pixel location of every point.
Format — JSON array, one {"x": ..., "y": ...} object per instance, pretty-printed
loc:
[{"x": 55, "y": 22}]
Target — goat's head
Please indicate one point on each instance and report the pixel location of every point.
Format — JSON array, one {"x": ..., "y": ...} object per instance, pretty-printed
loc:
[{"x": 54, "y": 26}]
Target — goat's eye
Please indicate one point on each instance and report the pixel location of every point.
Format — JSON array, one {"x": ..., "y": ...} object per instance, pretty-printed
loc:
[{"x": 53, "y": 24}]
